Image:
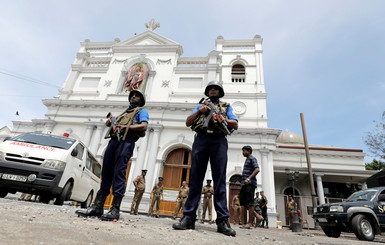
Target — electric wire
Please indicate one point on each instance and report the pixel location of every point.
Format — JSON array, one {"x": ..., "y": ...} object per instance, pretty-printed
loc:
[{"x": 23, "y": 77}]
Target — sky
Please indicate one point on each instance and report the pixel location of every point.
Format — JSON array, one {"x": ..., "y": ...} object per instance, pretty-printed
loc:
[{"x": 325, "y": 59}]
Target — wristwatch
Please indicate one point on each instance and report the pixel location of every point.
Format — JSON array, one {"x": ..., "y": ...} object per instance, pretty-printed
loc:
[{"x": 248, "y": 179}]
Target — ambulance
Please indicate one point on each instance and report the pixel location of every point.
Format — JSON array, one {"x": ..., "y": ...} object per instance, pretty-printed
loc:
[{"x": 54, "y": 167}]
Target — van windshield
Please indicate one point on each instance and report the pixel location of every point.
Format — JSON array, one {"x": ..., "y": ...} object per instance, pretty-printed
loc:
[{"x": 45, "y": 140}]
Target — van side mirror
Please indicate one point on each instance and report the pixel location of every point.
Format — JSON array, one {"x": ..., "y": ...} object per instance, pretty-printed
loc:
[
  {"x": 74, "y": 152},
  {"x": 381, "y": 198}
]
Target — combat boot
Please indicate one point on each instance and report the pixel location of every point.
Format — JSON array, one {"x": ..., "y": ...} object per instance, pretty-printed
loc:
[
  {"x": 184, "y": 224},
  {"x": 96, "y": 209},
  {"x": 114, "y": 212},
  {"x": 225, "y": 228}
]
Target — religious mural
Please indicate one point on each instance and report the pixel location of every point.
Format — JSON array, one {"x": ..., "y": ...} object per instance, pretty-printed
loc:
[{"x": 136, "y": 77}]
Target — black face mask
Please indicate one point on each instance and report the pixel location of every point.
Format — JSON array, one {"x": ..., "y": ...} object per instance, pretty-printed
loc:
[
  {"x": 132, "y": 106},
  {"x": 214, "y": 99}
]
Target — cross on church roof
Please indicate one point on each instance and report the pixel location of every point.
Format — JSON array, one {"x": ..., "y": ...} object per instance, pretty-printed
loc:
[{"x": 152, "y": 25}]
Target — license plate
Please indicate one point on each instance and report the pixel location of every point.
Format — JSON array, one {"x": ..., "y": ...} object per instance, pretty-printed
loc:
[
  {"x": 14, "y": 177},
  {"x": 323, "y": 220}
]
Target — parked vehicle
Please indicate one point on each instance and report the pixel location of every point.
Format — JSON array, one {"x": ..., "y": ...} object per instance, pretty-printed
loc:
[
  {"x": 362, "y": 213},
  {"x": 50, "y": 166}
]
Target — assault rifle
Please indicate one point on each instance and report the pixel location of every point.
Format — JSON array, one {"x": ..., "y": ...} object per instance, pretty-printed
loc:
[
  {"x": 213, "y": 110},
  {"x": 110, "y": 131}
]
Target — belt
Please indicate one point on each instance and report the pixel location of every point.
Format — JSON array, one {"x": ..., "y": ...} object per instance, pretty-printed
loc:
[
  {"x": 209, "y": 132},
  {"x": 207, "y": 197},
  {"x": 291, "y": 209},
  {"x": 182, "y": 197},
  {"x": 157, "y": 194}
]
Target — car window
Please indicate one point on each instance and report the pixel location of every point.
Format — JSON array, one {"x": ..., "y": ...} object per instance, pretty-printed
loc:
[
  {"x": 80, "y": 149},
  {"x": 94, "y": 165},
  {"x": 89, "y": 162}
]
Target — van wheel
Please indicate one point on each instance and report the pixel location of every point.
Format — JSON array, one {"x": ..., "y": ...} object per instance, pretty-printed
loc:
[
  {"x": 64, "y": 195},
  {"x": 363, "y": 228},
  {"x": 3, "y": 193},
  {"x": 87, "y": 202}
]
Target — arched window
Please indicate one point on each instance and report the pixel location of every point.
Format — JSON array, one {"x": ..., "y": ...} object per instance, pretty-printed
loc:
[{"x": 238, "y": 73}]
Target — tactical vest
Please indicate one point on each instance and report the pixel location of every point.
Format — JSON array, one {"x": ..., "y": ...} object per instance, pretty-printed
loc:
[
  {"x": 214, "y": 125},
  {"x": 128, "y": 118}
]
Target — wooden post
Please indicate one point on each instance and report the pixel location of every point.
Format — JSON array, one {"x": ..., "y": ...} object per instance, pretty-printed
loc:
[{"x": 313, "y": 194}]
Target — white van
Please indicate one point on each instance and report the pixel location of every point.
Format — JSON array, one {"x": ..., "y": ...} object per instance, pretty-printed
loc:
[{"x": 50, "y": 166}]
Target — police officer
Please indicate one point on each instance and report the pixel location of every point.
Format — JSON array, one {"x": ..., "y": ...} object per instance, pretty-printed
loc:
[
  {"x": 140, "y": 185},
  {"x": 181, "y": 198},
  {"x": 210, "y": 143},
  {"x": 131, "y": 125},
  {"x": 207, "y": 192},
  {"x": 157, "y": 192}
]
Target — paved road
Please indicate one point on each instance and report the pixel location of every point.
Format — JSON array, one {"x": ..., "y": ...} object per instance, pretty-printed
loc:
[{"x": 24, "y": 222}]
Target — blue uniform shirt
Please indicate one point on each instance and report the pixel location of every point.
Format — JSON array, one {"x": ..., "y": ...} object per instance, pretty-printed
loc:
[
  {"x": 141, "y": 116},
  {"x": 250, "y": 164}
]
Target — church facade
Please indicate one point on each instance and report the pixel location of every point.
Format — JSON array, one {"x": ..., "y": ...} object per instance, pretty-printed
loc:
[{"x": 102, "y": 75}]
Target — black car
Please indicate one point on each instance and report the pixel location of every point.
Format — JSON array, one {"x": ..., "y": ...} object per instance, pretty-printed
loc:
[{"x": 362, "y": 213}]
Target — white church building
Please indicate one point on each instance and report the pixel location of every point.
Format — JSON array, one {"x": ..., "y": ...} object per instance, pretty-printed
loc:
[{"x": 99, "y": 80}]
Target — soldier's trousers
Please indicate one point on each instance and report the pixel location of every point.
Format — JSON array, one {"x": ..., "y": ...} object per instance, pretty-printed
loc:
[
  {"x": 179, "y": 205},
  {"x": 207, "y": 204},
  {"x": 265, "y": 217},
  {"x": 136, "y": 201},
  {"x": 205, "y": 147},
  {"x": 115, "y": 161},
  {"x": 155, "y": 201}
]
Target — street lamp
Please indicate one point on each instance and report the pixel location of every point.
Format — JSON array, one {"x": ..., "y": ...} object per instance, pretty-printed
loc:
[{"x": 296, "y": 225}]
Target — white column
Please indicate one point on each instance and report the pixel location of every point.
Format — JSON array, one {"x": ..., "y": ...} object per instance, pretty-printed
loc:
[
  {"x": 268, "y": 185},
  {"x": 89, "y": 131},
  {"x": 138, "y": 166},
  {"x": 152, "y": 157},
  {"x": 265, "y": 170},
  {"x": 320, "y": 189},
  {"x": 268, "y": 180},
  {"x": 100, "y": 126}
]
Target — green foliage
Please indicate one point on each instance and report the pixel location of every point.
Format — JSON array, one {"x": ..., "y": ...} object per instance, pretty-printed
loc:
[
  {"x": 375, "y": 139},
  {"x": 375, "y": 165}
]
